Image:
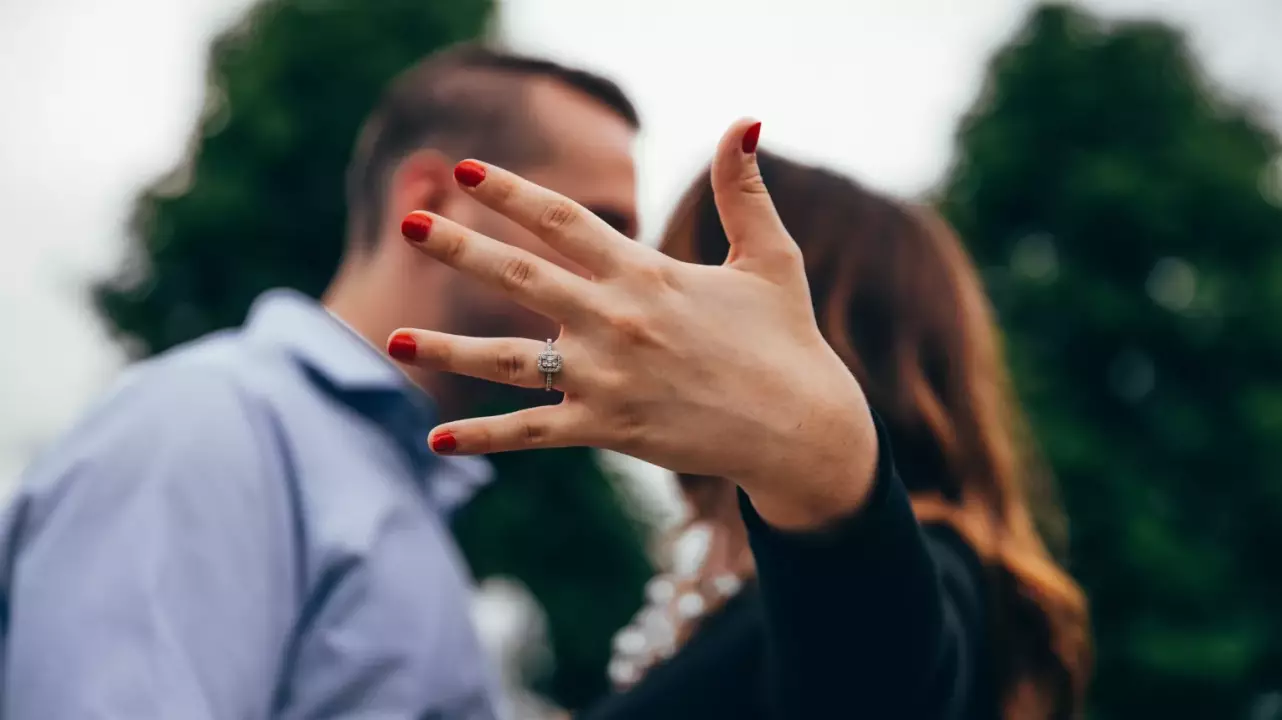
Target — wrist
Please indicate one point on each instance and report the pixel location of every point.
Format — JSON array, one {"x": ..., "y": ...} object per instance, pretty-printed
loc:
[
  {"x": 826, "y": 483},
  {"x": 816, "y": 511}
]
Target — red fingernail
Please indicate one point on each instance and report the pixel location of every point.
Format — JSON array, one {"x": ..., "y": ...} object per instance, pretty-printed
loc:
[
  {"x": 444, "y": 442},
  {"x": 750, "y": 137},
  {"x": 402, "y": 347},
  {"x": 416, "y": 226},
  {"x": 469, "y": 173}
]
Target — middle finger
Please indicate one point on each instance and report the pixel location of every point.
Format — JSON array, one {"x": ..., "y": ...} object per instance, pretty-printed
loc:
[
  {"x": 563, "y": 224},
  {"x": 530, "y": 280}
]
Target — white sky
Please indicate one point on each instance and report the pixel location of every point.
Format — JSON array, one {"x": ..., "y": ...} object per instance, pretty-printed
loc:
[{"x": 98, "y": 96}]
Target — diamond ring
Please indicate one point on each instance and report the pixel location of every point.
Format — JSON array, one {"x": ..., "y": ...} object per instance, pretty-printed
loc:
[{"x": 550, "y": 362}]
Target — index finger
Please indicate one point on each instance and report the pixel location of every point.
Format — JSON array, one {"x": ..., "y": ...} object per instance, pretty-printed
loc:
[
  {"x": 532, "y": 281},
  {"x": 563, "y": 224}
]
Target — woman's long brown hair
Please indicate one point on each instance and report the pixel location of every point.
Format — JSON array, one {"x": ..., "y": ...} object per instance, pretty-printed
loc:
[{"x": 898, "y": 298}]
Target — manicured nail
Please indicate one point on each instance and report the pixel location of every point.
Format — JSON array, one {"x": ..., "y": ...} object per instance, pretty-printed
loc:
[
  {"x": 750, "y": 137},
  {"x": 416, "y": 226},
  {"x": 402, "y": 347},
  {"x": 469, "y": 173},
  {"x": 444, "y": 442}
]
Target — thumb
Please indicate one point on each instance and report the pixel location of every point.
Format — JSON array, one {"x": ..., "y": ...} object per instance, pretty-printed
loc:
[{"x": 757, "y": 236}]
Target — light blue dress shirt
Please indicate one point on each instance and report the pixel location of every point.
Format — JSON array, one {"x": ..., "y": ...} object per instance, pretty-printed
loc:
[{"x": 248, "y": 527}]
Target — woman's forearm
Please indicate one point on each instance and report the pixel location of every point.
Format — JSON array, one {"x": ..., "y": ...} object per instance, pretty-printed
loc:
[{"x": 858, "y": 620}]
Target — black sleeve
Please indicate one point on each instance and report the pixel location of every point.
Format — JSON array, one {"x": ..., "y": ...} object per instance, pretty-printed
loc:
[
  {"x": 872, "y": 618},
  {"x": 875, "y": 618}
]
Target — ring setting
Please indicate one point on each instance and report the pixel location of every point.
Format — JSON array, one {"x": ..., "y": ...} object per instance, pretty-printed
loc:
[{"x": 550, "y": 362}]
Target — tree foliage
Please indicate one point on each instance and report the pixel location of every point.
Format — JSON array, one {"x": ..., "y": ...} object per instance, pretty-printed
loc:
[
  {"x": 259, "y": 204},
  {"x": 1127, "y": 217}
]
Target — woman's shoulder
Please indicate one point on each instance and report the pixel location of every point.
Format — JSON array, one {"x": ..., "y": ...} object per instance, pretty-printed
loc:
[
  {"x": 959, "y": 564},
  {"x": 963, "y": 576},
  {"x": 945, "y": 539}
]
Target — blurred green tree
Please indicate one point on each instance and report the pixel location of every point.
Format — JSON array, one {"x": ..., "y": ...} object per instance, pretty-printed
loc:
[
  {"x": 1128, "y": 219},
  {"x": 258, "y": 203}
]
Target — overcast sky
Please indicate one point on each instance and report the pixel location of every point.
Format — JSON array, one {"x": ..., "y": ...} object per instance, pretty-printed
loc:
[{"x": 98, "y": 96}]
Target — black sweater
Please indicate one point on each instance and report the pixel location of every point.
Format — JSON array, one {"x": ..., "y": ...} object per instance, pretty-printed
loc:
[{"x": 875, "y": 618}]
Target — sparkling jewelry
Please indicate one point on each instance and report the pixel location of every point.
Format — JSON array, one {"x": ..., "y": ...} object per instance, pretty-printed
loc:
[
  {"x": 727, "y": 585},
  {"x": 550, "y": 362},
  {"x": 690, "y": 606},
  {"x": 675, "y": 601}
]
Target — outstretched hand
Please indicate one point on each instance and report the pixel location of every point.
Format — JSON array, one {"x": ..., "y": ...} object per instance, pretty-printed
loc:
[{"x": 700, "y": 369}]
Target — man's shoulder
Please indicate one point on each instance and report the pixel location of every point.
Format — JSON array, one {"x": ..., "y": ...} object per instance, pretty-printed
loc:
[
  {"x": 215, "y": 362},
  {"x": 222, "y": 372},
  {"x": 184, "y": 426},
  {"x": 206, "y": 392}
]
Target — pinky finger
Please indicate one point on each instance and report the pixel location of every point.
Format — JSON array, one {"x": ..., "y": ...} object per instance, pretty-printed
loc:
[{"x": 546, "y": 426}]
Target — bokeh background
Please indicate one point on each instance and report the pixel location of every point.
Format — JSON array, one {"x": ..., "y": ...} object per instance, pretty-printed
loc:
[{"x": 1113, "y": 166}]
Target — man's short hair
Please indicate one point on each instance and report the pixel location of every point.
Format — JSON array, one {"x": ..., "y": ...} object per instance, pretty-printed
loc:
[{"x": 466, "y": 100}]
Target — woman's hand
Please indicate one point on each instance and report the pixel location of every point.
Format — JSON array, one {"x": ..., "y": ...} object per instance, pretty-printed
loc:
[{"x": 703, "y": 370}]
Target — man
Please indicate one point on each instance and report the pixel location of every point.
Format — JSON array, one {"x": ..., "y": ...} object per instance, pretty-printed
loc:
[{"x": 252, "y": 526}]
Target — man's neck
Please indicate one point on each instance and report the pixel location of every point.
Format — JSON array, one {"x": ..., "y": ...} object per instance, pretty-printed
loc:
[{"x": 374, "y": 307}]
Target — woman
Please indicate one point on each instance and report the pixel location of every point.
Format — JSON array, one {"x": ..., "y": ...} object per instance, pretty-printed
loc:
[
  {"x": 723, "y": 371},
  {"x": 895, "y": 295}
]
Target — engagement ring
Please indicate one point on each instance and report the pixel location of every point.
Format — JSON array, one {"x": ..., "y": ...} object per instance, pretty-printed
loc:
[{"x": 549, "y": 363}]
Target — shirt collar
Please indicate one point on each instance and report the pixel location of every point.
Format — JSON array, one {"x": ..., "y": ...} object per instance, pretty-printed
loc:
[
  {"x": 325, "y": 344},
  {"x": 356, "y": 371},
  {"x": 457, "y": 480}
]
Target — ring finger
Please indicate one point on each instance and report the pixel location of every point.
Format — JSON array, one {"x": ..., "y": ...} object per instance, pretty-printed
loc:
[{"x": 511, "y": 361}]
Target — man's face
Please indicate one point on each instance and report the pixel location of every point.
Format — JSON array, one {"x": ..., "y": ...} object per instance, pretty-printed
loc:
[{"x": 589, "y": 161}]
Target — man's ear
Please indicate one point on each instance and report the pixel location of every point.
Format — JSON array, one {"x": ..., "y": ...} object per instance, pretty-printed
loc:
[{"x": 424, "y": 180}]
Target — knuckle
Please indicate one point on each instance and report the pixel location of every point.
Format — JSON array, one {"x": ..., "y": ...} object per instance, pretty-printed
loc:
[
  {"x": 480, "y": 439},
  {"x": 752, "y": 183},
  {"x": 629, "y": 425},
  {"x": 501, "y": 192},
  {"x": 656, "y": 275},
  {"x": 532, "y": 433},
  {"x": 511, "y": 366},
  {"x": 790, "y": 252},
  {"x": 634, "y": 328},
  {"x": 437, "y": 353},
  {"x": 452, "y": 247},
  {"x": 558, "y": 216},
  {"x": 516, "y": 273},
  {"x": 611, "y": 384}
]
